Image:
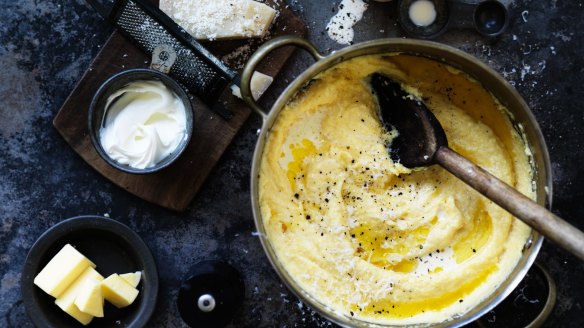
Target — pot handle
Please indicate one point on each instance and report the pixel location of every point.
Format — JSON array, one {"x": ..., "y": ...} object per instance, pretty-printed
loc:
[
  {"x": 550, "y": 301},
  {"x": 259, "y": 55},
  {"x": 547, "y": 308}
]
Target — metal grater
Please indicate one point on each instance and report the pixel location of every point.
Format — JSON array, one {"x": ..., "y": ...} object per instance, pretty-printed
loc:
[{"x": 195, "y": 67}]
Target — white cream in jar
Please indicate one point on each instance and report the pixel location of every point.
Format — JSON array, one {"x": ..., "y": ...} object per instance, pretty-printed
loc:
[
  {"x": 145, "y": 122},
  {"x": 422, "y": 13}
]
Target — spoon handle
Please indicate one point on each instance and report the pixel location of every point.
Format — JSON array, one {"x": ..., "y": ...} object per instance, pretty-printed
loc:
[{"x": 538, "y": 217}]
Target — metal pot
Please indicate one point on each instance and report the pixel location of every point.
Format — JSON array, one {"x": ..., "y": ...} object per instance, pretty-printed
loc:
[{"x": 519, "y": 113}]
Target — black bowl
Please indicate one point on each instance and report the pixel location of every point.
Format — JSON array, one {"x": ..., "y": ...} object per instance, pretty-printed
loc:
[
  {"x": 114, "y": 248},
  {"x": 97, "y": 113},
  {"x": 436, "y": 28},
  {"x": 491, "y": 18}
]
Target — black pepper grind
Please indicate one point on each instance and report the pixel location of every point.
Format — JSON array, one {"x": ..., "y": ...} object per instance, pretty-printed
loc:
[{"x": 211, "y": 295}]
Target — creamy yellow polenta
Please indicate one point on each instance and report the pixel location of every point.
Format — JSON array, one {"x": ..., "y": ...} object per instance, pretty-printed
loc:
[{"x": 370, "y": 238}]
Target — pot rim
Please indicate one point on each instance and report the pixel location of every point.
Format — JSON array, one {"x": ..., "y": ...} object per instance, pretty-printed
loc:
[{"x": 526, "y": 123}]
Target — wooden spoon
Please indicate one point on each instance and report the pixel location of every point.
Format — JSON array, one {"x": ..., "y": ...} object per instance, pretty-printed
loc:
[{"x": 421, "y": 141}]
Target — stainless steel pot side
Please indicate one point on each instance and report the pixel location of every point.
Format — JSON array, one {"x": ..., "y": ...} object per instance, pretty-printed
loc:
[{"x": 520, "y": 115}]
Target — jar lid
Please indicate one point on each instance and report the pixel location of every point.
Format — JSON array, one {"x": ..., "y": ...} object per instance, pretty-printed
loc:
[{"x": 211, "y": 295}]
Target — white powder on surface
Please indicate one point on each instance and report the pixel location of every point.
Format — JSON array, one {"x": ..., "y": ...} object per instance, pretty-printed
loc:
[{"x": 340, "y": 27}]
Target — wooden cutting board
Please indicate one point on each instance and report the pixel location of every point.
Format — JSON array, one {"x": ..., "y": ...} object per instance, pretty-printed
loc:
[{"x": 175, "y": 186}]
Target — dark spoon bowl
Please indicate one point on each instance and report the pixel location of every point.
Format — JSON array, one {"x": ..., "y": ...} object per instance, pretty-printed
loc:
[{"x": 421, "y": 141}]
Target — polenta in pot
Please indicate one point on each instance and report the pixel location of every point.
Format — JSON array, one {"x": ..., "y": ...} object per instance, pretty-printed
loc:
[{"x": 370, "y": 238}]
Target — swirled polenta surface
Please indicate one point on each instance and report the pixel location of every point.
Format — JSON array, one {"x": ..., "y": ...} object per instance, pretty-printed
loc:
[{"x": 370, "y": 238}]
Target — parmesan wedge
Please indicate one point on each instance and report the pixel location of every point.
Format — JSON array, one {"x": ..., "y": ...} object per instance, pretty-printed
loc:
[
  {"x": 259, "y": 84},
  {"x": 220, "y": 19}
]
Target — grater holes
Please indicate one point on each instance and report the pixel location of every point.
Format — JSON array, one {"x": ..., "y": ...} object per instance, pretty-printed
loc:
[{"x": 188, "y": 69}]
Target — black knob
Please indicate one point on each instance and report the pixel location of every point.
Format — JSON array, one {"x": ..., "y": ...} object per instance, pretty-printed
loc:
[{"x": 211, "y": 295}]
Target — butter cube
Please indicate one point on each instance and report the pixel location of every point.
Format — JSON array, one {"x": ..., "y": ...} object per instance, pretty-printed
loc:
[
  {"x": 90, "y": 299},
  {"x": 62, "y": 270},
  {"x": 133, "y": 278},
  {"x": 118, "y": 291},
  {"x": 67, "y": 300}
]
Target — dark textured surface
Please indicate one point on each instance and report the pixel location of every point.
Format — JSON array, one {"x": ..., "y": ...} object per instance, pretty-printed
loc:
[{"x": 45, "y": 46}]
